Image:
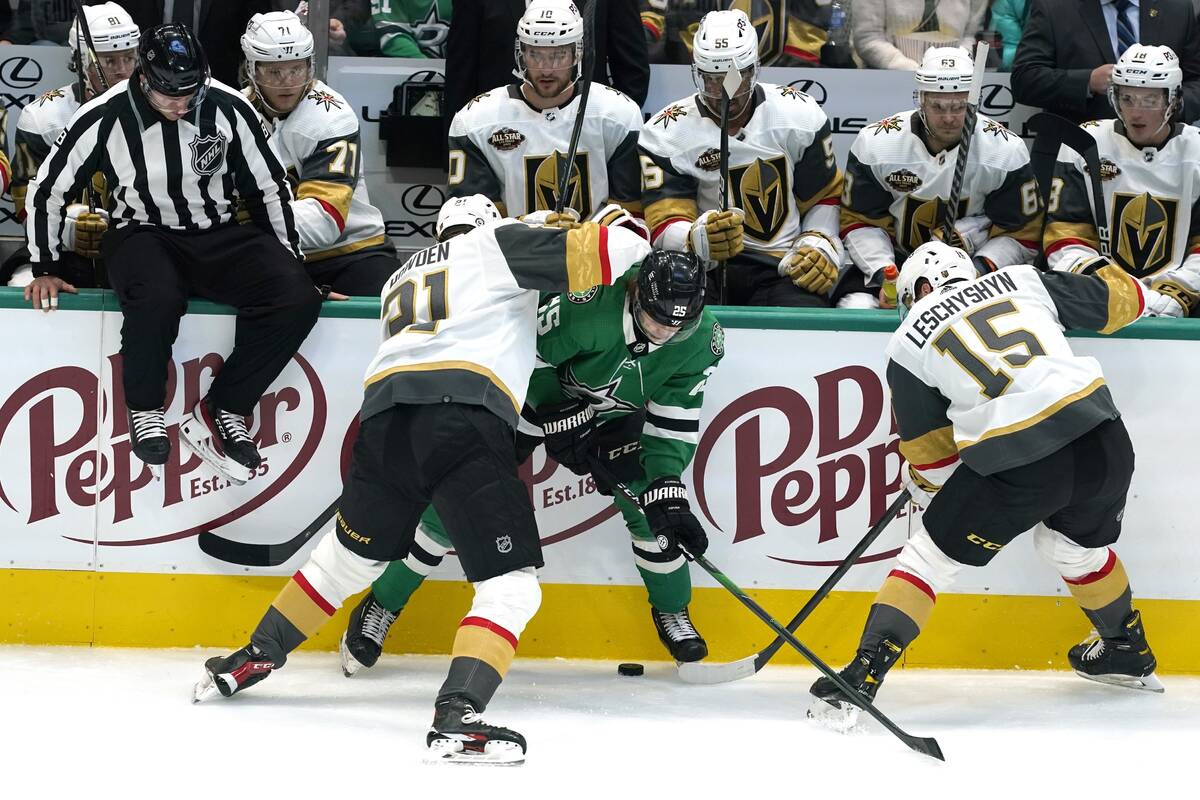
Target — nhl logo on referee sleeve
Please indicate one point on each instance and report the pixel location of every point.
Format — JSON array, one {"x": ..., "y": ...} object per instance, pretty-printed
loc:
[
  {"x": 504, "y": 544},
  {"x": 208, "y": 153}
]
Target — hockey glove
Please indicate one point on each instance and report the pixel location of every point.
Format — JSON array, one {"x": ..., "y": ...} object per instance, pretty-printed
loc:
[
  {"x": 665, "y": 504},
  {"x": 1163, "y": 304},
  {"x": 717, "y": 235},
  {"x": 956, "y": 239},
  {"x": 568, "y": 220},
  {"x": 922, "y": 491},
  {"x": 84, "y": 229},
  {"x": 809, "y": 269},
  {"x": 568, "y": 428}
]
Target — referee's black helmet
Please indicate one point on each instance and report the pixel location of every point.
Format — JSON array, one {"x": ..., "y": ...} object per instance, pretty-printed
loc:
[{"x": 173, "y": 61}]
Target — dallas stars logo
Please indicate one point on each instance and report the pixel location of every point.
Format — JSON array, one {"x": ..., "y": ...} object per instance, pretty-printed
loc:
[
  {"x": 885, "y": 125},
  {"x": 669, "y": 115},
  {"x": 324, "y": 98},
  {"x": 602, "y": 399},
  {"x": 53, "y": 94},
  {"x": 995, "y": 129}
]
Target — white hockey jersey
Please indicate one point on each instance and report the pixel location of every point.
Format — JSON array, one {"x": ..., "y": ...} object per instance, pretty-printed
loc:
[
  {"x": 895, "y": 191},
  {"x": 1152, "y": 202},
  {"x": 459, "y": 319},
  {"x": 508, "y": 151},
  {"x": 320, "y": 145},
  {"x": 38, "y": 127},
  {"x": 981, "y": 369},
  {"x": 782, "y": 169}
]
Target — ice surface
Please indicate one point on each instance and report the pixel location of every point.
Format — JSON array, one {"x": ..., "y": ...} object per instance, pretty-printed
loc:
[{"x": 116, "y": 722}]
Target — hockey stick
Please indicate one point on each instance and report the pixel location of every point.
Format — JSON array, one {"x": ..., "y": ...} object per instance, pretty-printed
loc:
[
  {"x": 734, "y": 77},
  {"x": 1053, "y": 131},
  {"x": 587, "y": 67},
  {"x": 950, "y": 212},
  {"x": 709, "y": 673},
  {"x": 263, "y": 555},
  {"x": 927, "y": 745},
  {"x": 89, "y": 194}
]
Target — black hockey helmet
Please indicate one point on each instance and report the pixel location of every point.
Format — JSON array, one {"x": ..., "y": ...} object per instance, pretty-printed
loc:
[
  {"x": 671, "y": 287},
  {"x": 173, "y": 61}
]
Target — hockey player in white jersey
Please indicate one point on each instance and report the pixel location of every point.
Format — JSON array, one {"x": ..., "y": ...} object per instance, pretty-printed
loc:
[
  {"x": 510, "y": 144},
  {"x": 317, "y": 134},
  {"x": 1150, "y": 180},
  {"x": 899, "y": 173},
  {"x": 779, "y": 234},
  {"x": 115, "y": 37},
  {"x": 1005, "y": 430},
  {"x": 442, "y": 400}
]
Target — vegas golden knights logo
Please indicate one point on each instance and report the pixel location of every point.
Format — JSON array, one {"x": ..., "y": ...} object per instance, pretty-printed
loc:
[
  {"x": 921, "y": 218},
  {"x": 770, "y": 23},
  {"x": 1144, "y": 233},
  {"x": 542, "y": 182},
  {"x": 761, "y": 190}
]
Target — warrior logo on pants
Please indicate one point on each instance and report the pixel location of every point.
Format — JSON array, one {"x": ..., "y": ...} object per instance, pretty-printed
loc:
[{"x": 208, "y": 153}]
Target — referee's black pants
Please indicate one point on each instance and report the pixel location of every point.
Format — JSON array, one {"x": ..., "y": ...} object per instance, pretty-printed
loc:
[{"x": 154, "y": 270}]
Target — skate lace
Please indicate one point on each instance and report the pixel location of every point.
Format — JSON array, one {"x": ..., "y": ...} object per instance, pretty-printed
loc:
[
  {"x": 1095, "y": 647},
  {"x": 472, "y": 717},
  {"x": 148, "y": 424},
  {"x": 376, "y": 622},
  {"x": 678, "y": 626},
  {"x": 231, "y": 426}
]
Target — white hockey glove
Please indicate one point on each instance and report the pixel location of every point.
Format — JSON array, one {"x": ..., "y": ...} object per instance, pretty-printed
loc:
[
  {"x": 811, "y": 264},
  {"x": 969, "y": 233},
  {"x": 613, "y": 215},
  {"x": 717, "y": 235},
  {"x": 1161, "y": 305},
  {"x": 567, "y": 220},
  {"x": 922, "y": 491},
  {"x": 83, "y": 230}
]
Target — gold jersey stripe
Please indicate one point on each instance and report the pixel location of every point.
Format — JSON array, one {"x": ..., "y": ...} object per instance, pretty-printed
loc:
[
  {"x": 353, "y": 247},
  {"x": 632, "y": 206},
  {"x": 491, "y": 648},
  {"x": 833, "y": 189},
  {"x": 1029, "y": 422},
  {"x": 1059, "y": 231},
  {"x": 851, "y": 218},
  {"x": 337, "y": 195},
  {"x": 1124, "y": 298},
  {"x": 434, "y": 366},
  {"x": 1026, "y": 233},
  {"x": 585, "y": 251},
  {"x": 660, "y": 211},
  {"x": 930, "y": 448}
]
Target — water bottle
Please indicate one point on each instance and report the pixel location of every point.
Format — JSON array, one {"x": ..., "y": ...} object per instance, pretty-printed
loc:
[
  {"x": 890, "y": 274},
  {"x": 836, "y": 51}
]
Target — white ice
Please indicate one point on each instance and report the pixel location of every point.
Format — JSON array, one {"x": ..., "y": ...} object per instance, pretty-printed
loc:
[{"x": 84, "y": 723}]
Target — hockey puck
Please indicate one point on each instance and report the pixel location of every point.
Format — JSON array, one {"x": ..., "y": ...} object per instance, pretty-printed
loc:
[{"x": 630, "y": 669}]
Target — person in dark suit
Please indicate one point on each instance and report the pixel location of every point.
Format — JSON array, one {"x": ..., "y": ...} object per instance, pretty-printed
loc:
[
  {"x": 1065, "y": 67},
  {"x": 218, "y": 24},
  {"x": 479, "y": 52}
]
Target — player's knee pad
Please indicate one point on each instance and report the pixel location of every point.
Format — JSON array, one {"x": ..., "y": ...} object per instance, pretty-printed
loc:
[
  {"x": 1070, "y": 559},
  {"x": 509, "y": 600},
  {"x": 336, "y": 573},
  {"x": 923, "y": 558}
]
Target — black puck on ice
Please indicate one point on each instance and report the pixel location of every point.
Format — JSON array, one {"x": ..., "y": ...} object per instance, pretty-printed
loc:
[{"x": 630, "y": 669}]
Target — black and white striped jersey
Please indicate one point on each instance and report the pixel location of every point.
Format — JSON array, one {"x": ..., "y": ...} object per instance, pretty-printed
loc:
[{"x": 186, "y": 175}]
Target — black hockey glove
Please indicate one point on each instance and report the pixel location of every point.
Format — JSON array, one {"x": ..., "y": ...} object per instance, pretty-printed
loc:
[
  {"x": 665, "y": 504},
  {"x": 568, "y": 427}
]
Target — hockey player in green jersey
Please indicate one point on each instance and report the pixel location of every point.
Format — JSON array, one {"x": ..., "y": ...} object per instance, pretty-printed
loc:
[
  {"x": 621, "y": 371},
  {"x": 412, "y": 28}
]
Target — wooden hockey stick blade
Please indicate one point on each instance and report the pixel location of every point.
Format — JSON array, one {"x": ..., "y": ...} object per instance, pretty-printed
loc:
[
  {"x": 981, "y": 51},
  {"x": 249, "y": 554}
]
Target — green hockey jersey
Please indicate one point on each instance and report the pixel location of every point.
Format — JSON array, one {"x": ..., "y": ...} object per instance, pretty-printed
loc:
[
  {"x": 412, "y": 28},
  {"x": 587, "y": 348}
]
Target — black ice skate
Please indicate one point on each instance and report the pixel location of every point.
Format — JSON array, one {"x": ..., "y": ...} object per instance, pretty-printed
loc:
[
  {"x": 220, "y": 438},
  {"x": 865, "y": 673},
  {"x": 230, "y": 674},
  {"x": 679, "y": 636},
  {"x": 148, "y": 436},
  {"x": 1124, "y": 661},
  {"x": 458, "y": 735},
  {"x": 363, "y": 640}
]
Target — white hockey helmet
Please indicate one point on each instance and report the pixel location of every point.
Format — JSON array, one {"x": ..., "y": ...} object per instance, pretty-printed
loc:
[
  {"x": 111, "y": 29},
  {"x": 1152, "y": 66},
  {"x": 277, "y": 36},
  {"x": 936, "y": 262},
  {"x": 945, "y": 69},
  {"x": 724, "y": 39},
  {"x": 473, "y": 210},
  {"x": 549, "y": 23}
]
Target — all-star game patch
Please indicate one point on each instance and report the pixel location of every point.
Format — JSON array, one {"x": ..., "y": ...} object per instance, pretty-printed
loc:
[
  {"x": 582, "y": 297},
  {"x": 904, "y": 180},
  {"x": 709, "y": 160},
  {"x": 506, "y": 139},
  {"x": 1108, "y": 170},
  {"x": 718, "y": 340}
]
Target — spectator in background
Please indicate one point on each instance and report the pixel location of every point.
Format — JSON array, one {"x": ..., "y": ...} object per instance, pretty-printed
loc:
[
  {"x": 671, "y": 25},
  {"x": 1065, "y": 67},
  {"x": 43, "y": 22},
  {"x": 218, "y": 24},
  {"x": 893, "y": 34},
  {"x": 479, "y": 51},
  {"x": 1008, "y": 19},
  {"x": 412, "y": 28}
]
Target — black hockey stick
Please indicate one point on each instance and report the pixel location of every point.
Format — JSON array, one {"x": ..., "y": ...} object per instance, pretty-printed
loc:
[
  {"x": 89, "y": 194},
  {"x": 587, "y": 67},
  {"x": 1053, "y": 131},
  {"x": 81, "y": 18},
  {"x": 950, "y": 212},
  {"x": 708, "y": 673},
  {"x": 927, "y": 746},
  {"x": 726, "y": 96},
  {"x": 263, "y": 555}
]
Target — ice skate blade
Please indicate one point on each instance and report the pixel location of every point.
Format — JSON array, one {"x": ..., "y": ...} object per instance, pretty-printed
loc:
[
  {"x": 205, "y": 689},
  {"x": 837, "y": 716},
  {"x": 197, "y": 438},
  {"x": 494, "y": 754},
  {"x": 156, "y": 471},
  {"x": 1149, "y": 683},
  {"x": 350, "y": 665}
]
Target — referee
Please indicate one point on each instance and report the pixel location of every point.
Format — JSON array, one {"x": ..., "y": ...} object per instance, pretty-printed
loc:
[{"x": 179, "y": 151}]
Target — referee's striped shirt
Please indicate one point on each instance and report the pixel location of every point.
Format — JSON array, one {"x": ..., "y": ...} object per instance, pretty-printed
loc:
[{"x": 185, "y": 175}]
